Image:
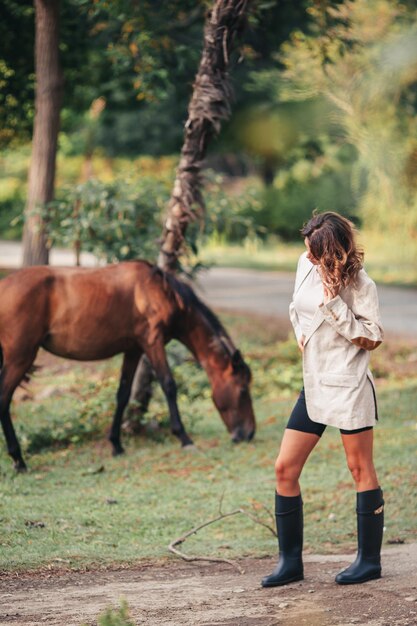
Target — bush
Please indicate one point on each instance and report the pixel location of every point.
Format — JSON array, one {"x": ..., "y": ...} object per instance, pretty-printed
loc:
[
  {"x": 315, "y": 179},
  {"x": 287, "y": 209},
  {"x": 231, "y": 214},
  {"x": 118, "y": 221},
  {"x": 114, "y": 221}
]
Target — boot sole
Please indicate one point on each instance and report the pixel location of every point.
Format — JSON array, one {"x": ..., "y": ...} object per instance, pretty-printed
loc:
[
  {"x": 287, "y": 581},
  {"x": 358, "y": 582}
]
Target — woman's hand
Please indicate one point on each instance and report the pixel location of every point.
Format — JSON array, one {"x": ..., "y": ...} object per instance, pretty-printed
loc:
[
  {"x": 329, "y": 294},
  {"x": 301, "y": 343}
]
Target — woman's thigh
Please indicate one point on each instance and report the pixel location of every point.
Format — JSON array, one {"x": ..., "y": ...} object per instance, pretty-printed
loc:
[
  {"x": 359, "y": 456},
  {"x": 359, "y": 446},
  {"x": 294, "y": 451}
]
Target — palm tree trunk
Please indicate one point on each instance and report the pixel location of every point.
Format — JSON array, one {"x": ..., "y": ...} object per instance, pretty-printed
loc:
[
  {"x": 49, "y": 84},
  {"x": 210, "y": 105}
]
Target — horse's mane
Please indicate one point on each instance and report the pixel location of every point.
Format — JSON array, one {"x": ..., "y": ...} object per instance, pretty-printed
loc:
[{"x": 190, "y": 300}]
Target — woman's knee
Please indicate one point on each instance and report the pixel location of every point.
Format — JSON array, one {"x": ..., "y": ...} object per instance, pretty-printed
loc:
[
  {"x": 356, "y": 471},
  {"x": 361, "y": 471},
  {"x": 286, "y": 471}
]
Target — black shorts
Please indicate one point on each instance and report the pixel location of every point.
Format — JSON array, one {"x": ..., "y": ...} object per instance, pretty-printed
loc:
[{"x": 299, "y": 420}]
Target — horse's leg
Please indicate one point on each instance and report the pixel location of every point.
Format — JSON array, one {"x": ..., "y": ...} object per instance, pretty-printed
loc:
[
  {"x": 11, "y": 375},
  {"x": 157, "y": 356},
  {"x": 141, "y": 392},
  {"x": 13, "y": 446},
  {"x": 130, "y": 362}
]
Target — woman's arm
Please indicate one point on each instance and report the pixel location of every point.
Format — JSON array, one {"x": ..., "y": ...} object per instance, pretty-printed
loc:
[{"x": 360, "y": 325}]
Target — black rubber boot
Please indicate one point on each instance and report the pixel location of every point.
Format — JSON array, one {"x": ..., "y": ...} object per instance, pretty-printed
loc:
[
  {"x": 289, "y": 520},
  {"x": 370, "y": 516}
]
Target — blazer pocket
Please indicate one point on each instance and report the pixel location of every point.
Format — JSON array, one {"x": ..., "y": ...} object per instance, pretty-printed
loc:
[{"x": 339, "y": 380}]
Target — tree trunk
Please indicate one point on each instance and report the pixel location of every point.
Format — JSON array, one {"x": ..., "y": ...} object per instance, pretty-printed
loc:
[
  {"x": 48, "y": 97},
  {"x": 210, "y": 105}
]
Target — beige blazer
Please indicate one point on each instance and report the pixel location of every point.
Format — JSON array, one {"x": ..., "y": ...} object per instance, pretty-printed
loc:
[{"x": 338, "y": 384}]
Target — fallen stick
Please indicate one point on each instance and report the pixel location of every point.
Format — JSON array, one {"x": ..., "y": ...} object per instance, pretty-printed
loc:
[{"x": 176, "y": 542}]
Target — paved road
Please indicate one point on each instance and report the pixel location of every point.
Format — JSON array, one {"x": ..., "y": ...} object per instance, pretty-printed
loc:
[
  {"x": 255, "y": 291},
  {"x": 270, "y": 293}
]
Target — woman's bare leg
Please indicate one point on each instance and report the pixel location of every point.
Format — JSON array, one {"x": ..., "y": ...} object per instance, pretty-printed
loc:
[
  {"x": 295, "y": 449},
  {"x": 359, "y": 457},
  {"x": 294, "y": 452},
  {"x": 369, "y": 509}
]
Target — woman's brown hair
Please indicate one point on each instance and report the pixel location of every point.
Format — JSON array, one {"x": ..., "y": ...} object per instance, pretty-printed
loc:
[{"x": 332, "y": 243}]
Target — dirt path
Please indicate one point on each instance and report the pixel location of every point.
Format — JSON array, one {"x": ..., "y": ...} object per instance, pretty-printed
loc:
[{"x": 181, "y": 594}]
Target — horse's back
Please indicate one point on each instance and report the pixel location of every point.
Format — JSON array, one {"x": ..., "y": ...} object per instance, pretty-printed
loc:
[
  {"x": 22, "y": 286},
  {"x": 86, "y": 313},
  {"x": 44, "y": 279}
]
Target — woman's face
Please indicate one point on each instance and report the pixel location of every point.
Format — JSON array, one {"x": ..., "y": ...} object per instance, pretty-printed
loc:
[{"x": 310, "y": 256}]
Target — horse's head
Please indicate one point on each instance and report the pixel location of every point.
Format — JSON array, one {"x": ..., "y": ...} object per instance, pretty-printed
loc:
[
  {"x": 231, "y": 395},
  {"x": 202, "y": 332}
]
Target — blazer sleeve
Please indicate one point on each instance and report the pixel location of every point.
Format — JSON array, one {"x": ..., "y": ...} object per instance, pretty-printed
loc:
[
  {"x": 361, "y": 325},
  {"x": 293, "y": 313}
]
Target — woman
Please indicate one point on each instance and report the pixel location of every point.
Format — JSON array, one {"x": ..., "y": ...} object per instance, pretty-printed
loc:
[{"x": 336, "y": 320}]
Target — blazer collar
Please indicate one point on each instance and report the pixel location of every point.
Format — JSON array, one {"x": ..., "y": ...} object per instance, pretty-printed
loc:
[
  {"x": 307, "y": 268},
  {"x": 318, "y": 318}
]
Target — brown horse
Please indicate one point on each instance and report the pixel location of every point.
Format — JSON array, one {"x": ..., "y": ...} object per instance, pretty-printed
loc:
[{"x": 132, "y": 308}]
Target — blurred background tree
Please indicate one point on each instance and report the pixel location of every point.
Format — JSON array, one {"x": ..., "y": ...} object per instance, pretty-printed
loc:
[{"x": 362, "y": 58}]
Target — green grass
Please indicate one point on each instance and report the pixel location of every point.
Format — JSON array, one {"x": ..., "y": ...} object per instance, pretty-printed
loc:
[
  {"x": 79, "y": 507},
  {"x": 115, "y": 617}
]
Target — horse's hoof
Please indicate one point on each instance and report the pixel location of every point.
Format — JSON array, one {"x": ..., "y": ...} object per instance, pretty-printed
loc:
[
  {"x": 118, "y": 451},
  {"x": 190, "y": 447},
  {"x": 20, "y": 466}
]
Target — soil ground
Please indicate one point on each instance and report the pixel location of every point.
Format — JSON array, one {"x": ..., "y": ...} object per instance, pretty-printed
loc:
[{"x": 210, "y": 594}]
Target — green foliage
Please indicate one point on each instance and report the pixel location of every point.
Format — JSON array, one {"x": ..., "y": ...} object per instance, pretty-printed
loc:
[
  {"x": 290, "y": 203},
  {"x": 141, "y": 57},
  {"x": 114, "y": 221},
  {"x": 278, "y": 370},
  {"x": 116, "y": 617},
  {"x": 11, "y": 209},
  {"x": 230, "y": 214},
  {"x": 70, "y": 423},
  {"x": 16, "y": 70},
  {"x": 361, "y": 56},
  {"x": 17, "y": 78},
  {"x": 120, "y": 221},
  {"x": 316, "y": 175},
  {"x": 13, "y": 172}
]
